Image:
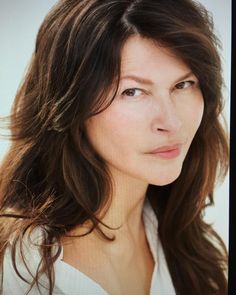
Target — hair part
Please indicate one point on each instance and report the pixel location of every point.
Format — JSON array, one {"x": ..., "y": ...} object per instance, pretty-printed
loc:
[{"x": 52, "y": 177}]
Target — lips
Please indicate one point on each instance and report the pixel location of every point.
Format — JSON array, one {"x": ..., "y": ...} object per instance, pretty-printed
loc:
[
  {"x": 166, "y": 148},
  {"x": 166, "y": 152}
]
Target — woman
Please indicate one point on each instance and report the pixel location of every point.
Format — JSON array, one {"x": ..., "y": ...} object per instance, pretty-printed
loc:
[{"x": 116, "y": 149}]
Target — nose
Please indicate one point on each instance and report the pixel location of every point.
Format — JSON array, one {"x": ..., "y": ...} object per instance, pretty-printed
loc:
[{"x": 166, "y": 115}]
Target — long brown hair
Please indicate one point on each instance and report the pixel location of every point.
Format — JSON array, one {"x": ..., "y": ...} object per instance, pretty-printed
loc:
[{"x": 51, "y": 176}]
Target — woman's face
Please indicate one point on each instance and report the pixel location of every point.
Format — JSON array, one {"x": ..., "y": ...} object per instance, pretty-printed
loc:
[{"x": 158, "y": 104}]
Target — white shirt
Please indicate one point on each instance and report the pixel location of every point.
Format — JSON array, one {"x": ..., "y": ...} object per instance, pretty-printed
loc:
[{"x": 70, "y": 281}]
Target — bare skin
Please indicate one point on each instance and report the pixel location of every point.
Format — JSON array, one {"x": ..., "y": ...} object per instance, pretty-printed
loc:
[
  {"x": 124, "y": 266},
  {"x": 153, "y": 110},
  {"x": 119, "y": 272}
]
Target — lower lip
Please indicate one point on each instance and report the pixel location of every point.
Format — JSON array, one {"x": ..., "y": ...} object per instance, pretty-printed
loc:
[{"x": 167, "y": 154}]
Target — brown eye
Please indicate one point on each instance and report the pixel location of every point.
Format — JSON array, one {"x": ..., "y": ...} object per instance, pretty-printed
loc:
[
  {"x": 132, "y": 92},
  {"x": 184, "y": 84}
]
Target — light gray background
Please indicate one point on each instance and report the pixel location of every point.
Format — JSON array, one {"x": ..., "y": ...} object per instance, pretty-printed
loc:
[{"x": 19, "y": 23}]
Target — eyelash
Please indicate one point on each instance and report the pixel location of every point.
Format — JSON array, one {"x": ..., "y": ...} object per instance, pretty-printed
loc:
[
  {"x": 124, "y": 93},
  {"x": 183, "y": 82}
]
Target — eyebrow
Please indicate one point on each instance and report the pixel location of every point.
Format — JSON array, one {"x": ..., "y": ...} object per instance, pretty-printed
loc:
[{"x": 142, "y": 80}]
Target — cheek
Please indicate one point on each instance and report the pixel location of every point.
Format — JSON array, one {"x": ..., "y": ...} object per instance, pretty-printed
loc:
[
  {"x": 197, "y": 112},
  {"x": 113, "y": 132},
  {"x": 124, "y": 122},
  {"x": 192, "y": 114}
]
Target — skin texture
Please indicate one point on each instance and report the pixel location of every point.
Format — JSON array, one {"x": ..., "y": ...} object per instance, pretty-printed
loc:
[
  {"x": 165, "y": 111},
  {"x": 157, "y": 115}
]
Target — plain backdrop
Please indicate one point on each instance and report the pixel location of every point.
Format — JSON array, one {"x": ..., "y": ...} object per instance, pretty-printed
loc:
[{"x": 19, "y": 23}]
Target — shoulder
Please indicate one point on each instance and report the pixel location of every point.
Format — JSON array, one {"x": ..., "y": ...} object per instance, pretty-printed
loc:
[{"x": 19, "y": 273}]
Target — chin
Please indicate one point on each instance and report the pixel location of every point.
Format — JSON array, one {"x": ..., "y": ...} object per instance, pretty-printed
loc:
[
  {"x": 162, "y": 183},
  {"x": 165, "y": 179}
]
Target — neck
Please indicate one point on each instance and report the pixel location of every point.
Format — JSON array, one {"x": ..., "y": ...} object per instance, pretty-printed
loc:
[
  {"x": 124, "y": 213},
  {"x": 125, "y": 210}
]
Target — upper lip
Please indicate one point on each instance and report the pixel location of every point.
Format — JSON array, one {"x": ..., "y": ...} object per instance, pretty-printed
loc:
[{"x": 166, "y": 148}]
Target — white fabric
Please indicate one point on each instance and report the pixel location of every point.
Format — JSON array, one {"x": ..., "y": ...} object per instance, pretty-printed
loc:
[{"x": 70, "y": 281}]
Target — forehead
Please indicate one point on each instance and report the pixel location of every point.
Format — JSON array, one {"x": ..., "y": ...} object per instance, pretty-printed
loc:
[{"x": 145, "y": 56}]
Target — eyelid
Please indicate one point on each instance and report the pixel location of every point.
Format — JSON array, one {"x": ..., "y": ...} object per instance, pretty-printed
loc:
[
  {"x": 132, "y": 88},
  {"x": 191, "y": 81}
]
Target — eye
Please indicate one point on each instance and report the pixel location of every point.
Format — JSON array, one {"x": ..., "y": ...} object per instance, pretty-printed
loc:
[
  {"x": 132, "y": 92},
  {"x": 184, "y": 84}
]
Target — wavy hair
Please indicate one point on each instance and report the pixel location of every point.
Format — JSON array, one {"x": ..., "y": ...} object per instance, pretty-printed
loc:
[{"x": 52, "y": 177}]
